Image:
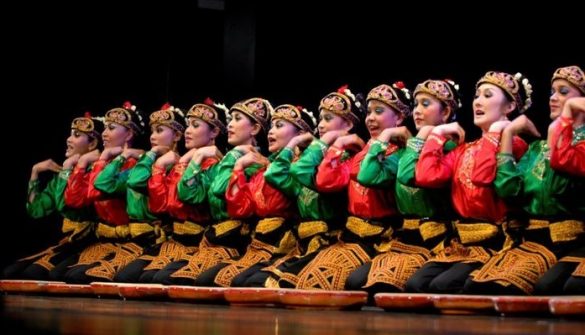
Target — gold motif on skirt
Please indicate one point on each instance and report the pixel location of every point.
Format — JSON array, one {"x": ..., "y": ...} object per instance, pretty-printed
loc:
[
  {"x": 580, "y": 269},
  {"x": 170, "y": 251},
  {"x": 521, "y": 266},
  {"x": 257, "y": 252},
  {"x": 397, "y": 265},
  {"x": 125, "y": 253},
  {"x": 207, "y": 256},
  {"x": 331, "y": 267},
  {"x": 96, "y": 252}
]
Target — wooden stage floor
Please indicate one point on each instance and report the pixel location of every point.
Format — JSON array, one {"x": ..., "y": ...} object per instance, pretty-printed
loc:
[{"x": 58, "y": 315}]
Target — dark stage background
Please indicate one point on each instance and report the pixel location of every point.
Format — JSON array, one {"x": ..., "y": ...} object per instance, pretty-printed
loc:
[{"x": 58, "y": 65}]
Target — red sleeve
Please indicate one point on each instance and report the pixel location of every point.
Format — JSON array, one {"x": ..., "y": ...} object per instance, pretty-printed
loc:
[
  {"x": 333, "y": 174},
  {"x": 434, "y": 169},
  {"x": 567, "y": 157},
  {"x": 238, "y": 196},
  {"x": 157, "y": 190},
  {"x": 94, "y": 194},
  {"x": 519, "y": 148},
  {"x": 76, "y": 190},
  {"x": 484, "y": 170}
]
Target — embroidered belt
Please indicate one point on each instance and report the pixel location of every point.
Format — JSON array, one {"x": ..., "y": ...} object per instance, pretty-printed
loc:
[
  {"x": 560, "y": 231},
  {"x": 74, "y": 226},
  {"x": 362, "y": 228},
  {"x": 310, "y": 228},
  {"x": 267, "y": 225},
  {"x": 428, "y": 229},
  {"x": 476, "y": 232},
  {"x": 107, "y": 231},
  {"x": 226, "y": 226},
  {"x": 140, "y": 228},
  {"x": 187, "y": 228}
]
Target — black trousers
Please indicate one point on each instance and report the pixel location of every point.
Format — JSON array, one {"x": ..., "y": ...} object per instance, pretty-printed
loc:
[{"x": 437, "y": 277}]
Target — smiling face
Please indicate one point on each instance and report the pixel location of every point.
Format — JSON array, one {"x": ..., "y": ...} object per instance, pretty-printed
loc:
[
  {"x": 381, "y": 116},
  {"x": 561, "y": 91},
  {"x": 330, "y": 121},
  {"x": 490, "y": 104},
  {"x": 429, "y": 111}
]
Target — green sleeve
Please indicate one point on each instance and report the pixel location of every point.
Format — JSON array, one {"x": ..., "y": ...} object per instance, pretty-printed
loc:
[
  {"x": 305, "y": 168},
  {"x": 278, "y": 174},
  {"x": 407, "y": 163},
  {"x": 141, "y": 172},
  {"x": 376, "y": 169},
  {"x": 224, "y": 172},
  {"x": 111, "y": 180},
  {"x": 44, "y": 202},
  {"x": 193, "y": 186},
  {"x": 509, "y": 181}
]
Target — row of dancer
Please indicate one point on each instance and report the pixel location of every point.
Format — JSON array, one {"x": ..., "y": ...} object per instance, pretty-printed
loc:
[{"x": 428, "y": 213}]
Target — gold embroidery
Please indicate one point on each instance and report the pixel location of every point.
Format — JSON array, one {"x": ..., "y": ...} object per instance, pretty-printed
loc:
[
  {"x": 430, "y": 229},
  {"x": 567, "y": 230},
  {"x": 456, "y": 252},
  {"x": 398, "y": 265},
  {"x": 331, "y": 267},
  {"x": 107, "y": 231},
  {"x": 139, "y": 228},
  {"x": 124, "y": 254},
  {"x": 521, "y": 266},
  {"x": 96, "y": 252},
  {"x": 467, "y": 164},
  {"x": 362, "y": 228},
  {"x": 310, "y": 228},
  {"x": 187, "y": 228},
  {"x": 170, "y": 251},
  {"x": 475, "y": 232},
  {"x": 265, "y": 226},
  {"x": 257, "y": 252},
  {"x": 580, "y": 269},
  {"x": 226, "y": 226},
  {"x": 207, "y": 256}
]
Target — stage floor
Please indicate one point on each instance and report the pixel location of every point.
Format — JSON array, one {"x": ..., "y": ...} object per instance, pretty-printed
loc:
[{"x": 58, "y": 315}]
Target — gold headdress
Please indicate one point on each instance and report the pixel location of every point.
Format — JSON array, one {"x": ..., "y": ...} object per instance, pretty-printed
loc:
[
  {"x": 127, "y": 116},
  {"x": 340, "y": 103},
  {"x": 389, "y": 96},
  {"x": 207, "y": 111},
  {"x": 512, "y": 86},
  {"x": 573, "y": 74},
  {"x": 168, "y": 116},
  {"x": 257, "y": 108},
  {"x": 294, "y": 115}
]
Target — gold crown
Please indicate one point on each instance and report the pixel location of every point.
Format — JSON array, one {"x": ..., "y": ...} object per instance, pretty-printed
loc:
[
  {"x": 293, "y": 115},
  {"x": 510, "y": 85},
  {"x": 388, "y": 95},
  {"x": 573, "y": 74},
  {"x": 85, "y": 125},
  {"x": 440, "y": 90},
  {"x": 166, "y": 117},
  {"x": 339, "y": 104},
  {"x": 257, "y": 108},
  {"x": 208, "y": 114}
]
